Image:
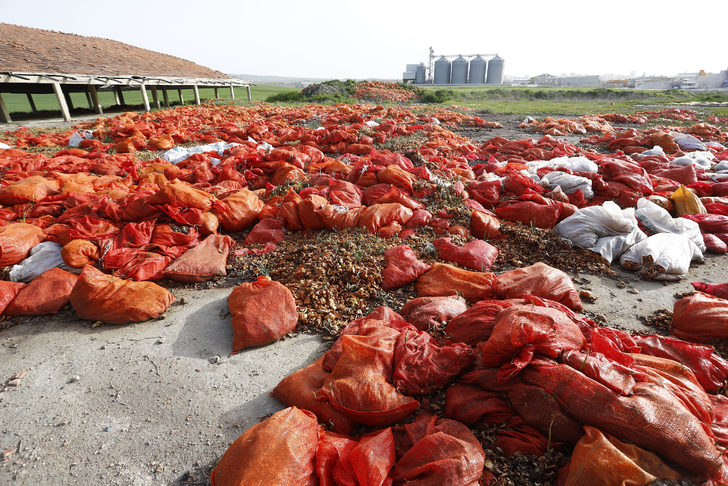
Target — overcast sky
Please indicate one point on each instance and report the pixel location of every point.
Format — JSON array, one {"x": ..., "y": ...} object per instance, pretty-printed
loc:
[{"x": 376, "y": 38}]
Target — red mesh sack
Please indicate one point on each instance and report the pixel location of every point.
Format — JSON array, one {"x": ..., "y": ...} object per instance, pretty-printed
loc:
[
  {"x": 476, "y": 255},
  {"x": 485, "y": 226},
  {"x": 16, "y": 241},
  {"x": 700, "y": 317},
  {"x": 8, "y": 291},
  {"x": 475, "y": 324},
  {"x": 368, "y": 463},
  {"x": 263, "y": 311},
  {"x": 279, "y": 450},
  {"x": 332, "y": 448},
  {"x": 448, "y": 453},
  {"x": 359, "y": 386},
  {"x": 652, "y": 417},
  {"x": 269, "y": 230},
  {"x": 402, "y": 268},
  {"x": 46, "y": 294},
  {"x": 471, "y": 405},
  {"x": 203, "y": 262},
  {"x": 529, "y": 212},
  {"x": 521, "y": 437},
  {"x": 717, "y": 290},
  {"x": 602, "y": 460},
  {"x": 427, "y": 313},
  {"x": 300, "y": 389},
  {"x": 539, "y": 329},
  {"x": 395, "y": 175},
  {"x": 540, "y": 280},
  {"x": 709, "y": 368},
  {"x": 445, "y": 279},
  {"x": 377, "y": 216},
  {"x": 421, "y": 366},
  {"x": 101, "y": 297}
]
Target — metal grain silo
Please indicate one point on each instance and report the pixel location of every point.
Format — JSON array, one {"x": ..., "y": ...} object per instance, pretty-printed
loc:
[
  {"x": 477, "y": 70},
  {"x": 420, "y": 74},
  {"x": 495, "y": 71},
  {"x": 442, "y": 71},
  {"x": 459, "y": 71}
]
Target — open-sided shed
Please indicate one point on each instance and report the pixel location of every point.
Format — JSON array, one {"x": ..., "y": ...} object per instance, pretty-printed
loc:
[{"x": 35, "y": 61}]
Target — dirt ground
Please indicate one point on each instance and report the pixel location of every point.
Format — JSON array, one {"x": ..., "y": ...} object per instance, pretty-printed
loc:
[{"x": 159, "y": 402}]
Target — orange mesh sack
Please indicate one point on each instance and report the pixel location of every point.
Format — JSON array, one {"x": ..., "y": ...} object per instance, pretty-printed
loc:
[
  {"x": 359, "y": 384},
  {"x": 101, "y": 297},
  {"x": 540, "y": 280},
  {"x": 30, "y": 189},
  {"x": 16, "y": 241},
  {"x": 263, "y": 311},
  {"x": 238, "y": 210},
  {"x": 448, "y": 453},
  {"x": 77, "y": 253},
  {"x": 602, "y": 460},
  {"x": 300, "y": 388},
  {"x": 8, "y": 291},
  {"x": 203, "y": 262},
  {"x": 445, "y": 279},
  {"x": 45, "y": 294},
  {"x": 181, "y": 194},
  {"x": 278, "y": 451}
]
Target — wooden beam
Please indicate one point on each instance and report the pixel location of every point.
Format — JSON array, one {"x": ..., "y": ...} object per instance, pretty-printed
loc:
[
  {"x": 88, "y": 100},
  {"x": 166, "y": 97},
  {"x": 121, "y": 96},
  {"x": 31, "y": 102},
  {"x": 181, "y": 98},
  {"x": 197, "y": 94},
  {"x": 4, "y": 111},
  {"x": 145, "y": 97},
  {"x": 67, "y": 96},
  {"x": 155, "y": 97},
  {"x": 232, "y": 91},
  {"x": 62, "y": 101},
  {"x": 217, "y": 95},
  {"x": 95, "y": 99},
  {"x": 116, "y": 96},
  {"x": 250, "y": 96}
]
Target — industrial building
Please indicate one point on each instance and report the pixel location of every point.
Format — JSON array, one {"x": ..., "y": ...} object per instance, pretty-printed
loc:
[{"x": 458, "y": 69}]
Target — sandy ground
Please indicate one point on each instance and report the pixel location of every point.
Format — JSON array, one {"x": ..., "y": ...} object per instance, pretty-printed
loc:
[{"x": 158, "y": 402}]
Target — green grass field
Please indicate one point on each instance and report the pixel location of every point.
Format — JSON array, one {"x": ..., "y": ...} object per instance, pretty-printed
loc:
[
  {"x": 18, "y": 103},
  {"x": 566, "y": 101}
]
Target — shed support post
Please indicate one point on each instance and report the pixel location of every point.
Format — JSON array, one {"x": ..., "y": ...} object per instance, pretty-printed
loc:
[
  {"x": 217, "y": 95},
  {"x": 166, "y": 98},
  {"x": 197, "y": 94},
  {"x": 155, "y": 97},
  {"x": 95, "y": 99},
  {"x": 31, "y": 102},
  {"x": 67, "y": 96},
  {"x": 116, "y": 96},
  {"x": 121, "y": 95},
  {"x": 232, "y": 91},
  {"x": 145, "y": 97},
  {"x": 60, "y": 96},
  {"x": 89, "y": 101},
  {"x": 250, "y": 96},
  {"x": 181, "y": 99},
  {"x": 4, "y": 111}
]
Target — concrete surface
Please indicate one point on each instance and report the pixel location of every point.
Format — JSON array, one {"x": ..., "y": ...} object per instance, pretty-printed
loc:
[{"x": 150, "y": 403}]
